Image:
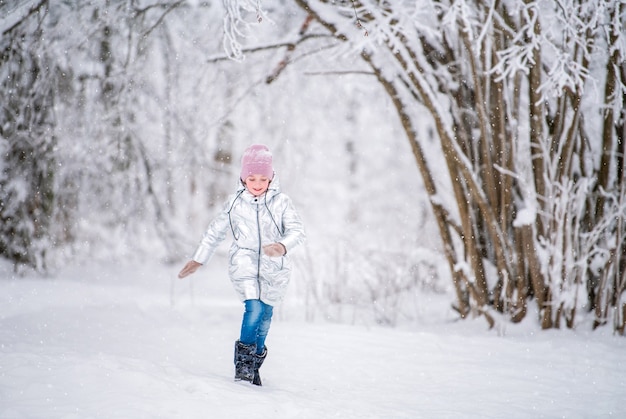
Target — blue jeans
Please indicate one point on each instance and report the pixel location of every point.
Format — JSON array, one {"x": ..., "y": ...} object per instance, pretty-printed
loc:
[{"x": 256, "y": 323}]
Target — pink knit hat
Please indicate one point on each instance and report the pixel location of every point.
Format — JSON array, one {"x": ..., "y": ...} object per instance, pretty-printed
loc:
[{"x": 257, "y": 160}]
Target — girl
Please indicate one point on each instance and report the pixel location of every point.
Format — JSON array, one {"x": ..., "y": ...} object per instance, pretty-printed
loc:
[{"x": 265, "y": 228}]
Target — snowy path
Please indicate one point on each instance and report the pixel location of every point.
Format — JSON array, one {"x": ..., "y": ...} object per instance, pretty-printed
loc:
[{"x": 110, "y": 345}]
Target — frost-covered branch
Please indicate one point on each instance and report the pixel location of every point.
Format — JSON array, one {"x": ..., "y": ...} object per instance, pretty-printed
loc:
[{"x": 237, "y": 27}]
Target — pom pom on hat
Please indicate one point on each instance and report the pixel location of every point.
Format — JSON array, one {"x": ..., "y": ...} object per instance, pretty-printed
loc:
[{"x": 257, "y": 160}]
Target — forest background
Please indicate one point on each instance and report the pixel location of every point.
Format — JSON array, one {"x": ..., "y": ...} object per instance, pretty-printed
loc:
[{"x": 464, "y": 147}]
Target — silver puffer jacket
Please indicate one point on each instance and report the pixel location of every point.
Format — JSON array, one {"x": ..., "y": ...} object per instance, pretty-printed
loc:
[{"x": 255, "y": 222}]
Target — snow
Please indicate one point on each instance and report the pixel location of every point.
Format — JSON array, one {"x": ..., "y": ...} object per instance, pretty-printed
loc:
[
  {"x": 116, "y": 341},
  {"x": 525, "y": 217}
]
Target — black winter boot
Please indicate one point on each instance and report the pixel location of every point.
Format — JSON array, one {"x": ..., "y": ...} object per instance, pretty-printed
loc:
[
  {"x": 244, "y": 361},
  {"x": 258, "y": 361}
]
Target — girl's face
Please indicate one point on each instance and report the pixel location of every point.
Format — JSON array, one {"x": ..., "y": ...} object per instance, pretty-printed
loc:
[{"x": 257, "y": 184}]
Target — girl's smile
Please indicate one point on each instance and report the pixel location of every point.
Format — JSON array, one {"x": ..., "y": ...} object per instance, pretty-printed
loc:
[{"x": 257, "y": 184}]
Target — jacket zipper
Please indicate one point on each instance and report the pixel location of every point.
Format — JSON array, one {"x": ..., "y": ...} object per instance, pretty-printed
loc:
[{"x": 258, "y": 263}]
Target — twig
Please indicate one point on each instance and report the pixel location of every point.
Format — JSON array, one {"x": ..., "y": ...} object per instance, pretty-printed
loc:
[{"x": 358, "y": 21}]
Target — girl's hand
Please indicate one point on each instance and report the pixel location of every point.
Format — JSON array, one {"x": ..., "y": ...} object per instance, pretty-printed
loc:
[
  {"x": 189, "y": 268},
  {"x": 274, "y": 250}
]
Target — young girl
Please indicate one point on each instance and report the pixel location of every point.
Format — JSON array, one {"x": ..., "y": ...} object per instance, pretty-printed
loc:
[{"x": 265, "y": 228}]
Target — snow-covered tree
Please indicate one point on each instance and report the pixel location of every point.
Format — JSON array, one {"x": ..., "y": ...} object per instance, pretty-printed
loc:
[
  {"x": 526, "y": 99},
  {"x": 86, "y": 159},
  {"x": 121, "y": 127},
  {"x": 27, "y": 140}
]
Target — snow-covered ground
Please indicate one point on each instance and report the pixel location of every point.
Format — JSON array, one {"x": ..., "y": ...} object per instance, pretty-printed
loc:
[{"x": 134, "y": 342}]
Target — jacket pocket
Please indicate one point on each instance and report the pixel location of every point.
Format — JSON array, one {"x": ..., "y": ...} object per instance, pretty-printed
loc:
[
  {"x": 243, "y": 263},
  {"x": 271, "y": 265}
]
